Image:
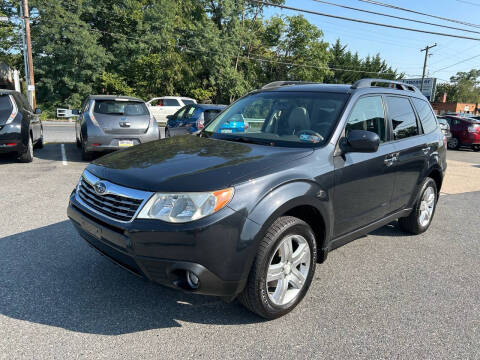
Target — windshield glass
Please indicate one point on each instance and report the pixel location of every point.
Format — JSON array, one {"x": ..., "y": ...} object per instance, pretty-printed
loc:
[
  {"x": 113, "y": 107},
  {"x": 280, "y": 118}
]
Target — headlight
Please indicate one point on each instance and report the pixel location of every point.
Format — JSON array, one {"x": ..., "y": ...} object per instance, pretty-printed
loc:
[{"x": 184, "y": 207}]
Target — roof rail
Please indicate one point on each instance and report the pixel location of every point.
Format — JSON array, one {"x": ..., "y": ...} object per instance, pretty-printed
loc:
[
  {"x": 285, "y": 83},
  {"x": 365, "y": 83}
]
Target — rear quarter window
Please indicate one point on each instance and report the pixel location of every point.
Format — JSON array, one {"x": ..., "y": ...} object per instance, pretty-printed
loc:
[
  {"x": 188, "y": 101},
  {"x": 170, "y": 102},
  {"x": 427, "y": 118},
  {"x": 5, "y": 107}
]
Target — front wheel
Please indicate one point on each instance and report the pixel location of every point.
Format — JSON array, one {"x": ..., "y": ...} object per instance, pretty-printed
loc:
[
  {"x": 476, "y": 148},
  {"x": 283, "y": 269},
  {"x": 453, "y": 143},
  {"x": 421, "y": 216}
]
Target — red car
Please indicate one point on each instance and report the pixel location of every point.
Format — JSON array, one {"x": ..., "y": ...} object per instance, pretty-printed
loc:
[{"x": 465, "y": 132}]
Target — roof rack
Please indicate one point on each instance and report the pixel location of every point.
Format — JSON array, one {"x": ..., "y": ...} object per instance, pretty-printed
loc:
[
  {"x": 366, "y": 83},
  {"x": 285, "y": 83}
]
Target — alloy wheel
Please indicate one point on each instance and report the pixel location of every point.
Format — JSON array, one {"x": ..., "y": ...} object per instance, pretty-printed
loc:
[
  {"x": 427, "y": 205},
  {"x": 288, "y": 269}
]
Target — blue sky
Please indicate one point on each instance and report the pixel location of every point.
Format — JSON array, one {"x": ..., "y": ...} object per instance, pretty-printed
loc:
[{"x": 401, "y": 48}]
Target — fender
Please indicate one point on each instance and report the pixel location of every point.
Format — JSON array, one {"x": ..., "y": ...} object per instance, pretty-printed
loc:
[{"x": 279, "y": 201}]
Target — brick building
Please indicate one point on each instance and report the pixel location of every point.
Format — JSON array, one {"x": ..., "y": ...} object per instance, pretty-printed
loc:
[{"x": 454, "y": 107}]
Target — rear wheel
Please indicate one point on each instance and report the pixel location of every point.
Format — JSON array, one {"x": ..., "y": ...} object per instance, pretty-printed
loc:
[
  {"x": 476, "y": 148},
  {"x": 86, "y": 155},
  {"x": 283, "y": 269},
  {"x": 39, "y": 144},
  {"x": 453, "y": 143},
  {"x": 421, "y": 216},
  {"x": 27, "y": 156}
]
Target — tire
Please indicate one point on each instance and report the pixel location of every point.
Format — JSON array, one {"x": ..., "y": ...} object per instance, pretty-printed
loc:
[
  {"x": 413, "y": 223},
  {"x": 267, "y": 300},
  {"x": 39, "y": 144},
  {"x": 86, "y": 155},
  {"x": 78, "y": 143},
  {"x": 476, "y": 148},
  {"x": 453, "y": 144},
  {"x": 27, "y": 156}
]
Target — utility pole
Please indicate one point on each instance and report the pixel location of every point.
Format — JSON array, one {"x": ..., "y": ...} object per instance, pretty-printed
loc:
[
  {"x": 31, "y": 80},
  {"x": 427, "y": 48}
]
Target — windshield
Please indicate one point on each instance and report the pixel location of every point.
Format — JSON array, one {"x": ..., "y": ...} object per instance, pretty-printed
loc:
[
  {"x": 280, "y": 118},
  {"x": 115, "y": 107}
]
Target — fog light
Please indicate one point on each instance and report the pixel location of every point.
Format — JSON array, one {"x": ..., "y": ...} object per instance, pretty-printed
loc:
[{"x": 192, "y": 280}]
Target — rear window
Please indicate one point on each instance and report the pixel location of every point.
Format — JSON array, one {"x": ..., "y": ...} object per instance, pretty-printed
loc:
[
  {"x": 211, "y": 114},
  {"x": 188, "y": 101},
  {"x": 170, "y": 102},
  {"x": 115, "y": 107},
  {"x": 426, "y": 115},
  {"x": 5, "y": 106}
]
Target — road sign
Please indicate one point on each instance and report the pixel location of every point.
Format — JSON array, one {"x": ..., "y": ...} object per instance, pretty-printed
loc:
[
  {"x": 3, "y": 19},
  {"x": 429, "y": 86},
  {"x": 31, "y": 87}
]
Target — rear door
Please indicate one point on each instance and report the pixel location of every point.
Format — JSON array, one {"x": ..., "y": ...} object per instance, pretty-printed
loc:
[
  {"x": 411, "y": 159},
  {"x": 6, "y": 108},
  {"x": 123, "y": 117},
  {"x": 364, "y": 181}
]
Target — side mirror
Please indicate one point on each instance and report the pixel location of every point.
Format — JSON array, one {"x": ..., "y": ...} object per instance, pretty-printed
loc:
[
  {"x": 362, "y": 141},
  {"x": 75, "y": 112},
  {"x": 38, "y": 111},
  {"x": 170, "y": 117}
]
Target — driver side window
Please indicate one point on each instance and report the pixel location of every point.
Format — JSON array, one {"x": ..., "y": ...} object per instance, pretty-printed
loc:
[{"x": 368, "y": 114}]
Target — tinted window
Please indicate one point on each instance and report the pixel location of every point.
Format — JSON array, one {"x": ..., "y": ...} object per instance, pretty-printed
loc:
[
  {"x": 281, "y": 118},
  {"x": 170, "y": 102},
  {"x": 190, "y": 112},
  {"x": 188, "y": 101},
  {"x": 426, "y": 115},
  {"x": 368, "y": 114},
  {"x": 5, "y": 107},
  {"x": 404, "y": 122},
  {"x": 113, "y": 107},
  {"x": 210, "y": 115}
]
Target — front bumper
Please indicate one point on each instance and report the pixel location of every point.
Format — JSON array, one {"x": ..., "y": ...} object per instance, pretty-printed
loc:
[{"x": 215, "y": 249}]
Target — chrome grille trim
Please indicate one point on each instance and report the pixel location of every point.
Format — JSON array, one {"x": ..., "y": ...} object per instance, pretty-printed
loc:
[{"x": 118, "y": 203}]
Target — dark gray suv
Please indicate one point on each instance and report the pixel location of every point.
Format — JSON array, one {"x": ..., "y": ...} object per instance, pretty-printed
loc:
[
  {"x": 248, "y": 211},
  {"x": 108, "y": 123}
]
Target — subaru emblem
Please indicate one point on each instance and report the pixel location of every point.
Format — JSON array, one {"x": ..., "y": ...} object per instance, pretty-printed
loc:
[{"x": 100, "y": 188}]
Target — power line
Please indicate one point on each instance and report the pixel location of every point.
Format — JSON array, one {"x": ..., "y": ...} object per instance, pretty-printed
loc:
[
  {"x": 419, "y": 13},
  {"x": 363, "y": 21},
  {"x": 469, "y": 2},
  {"x": 457, "y": 63},
  {"x": 395, "y": 17}
]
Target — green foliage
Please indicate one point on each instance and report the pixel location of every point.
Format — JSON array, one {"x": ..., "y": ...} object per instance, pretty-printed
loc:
[
  {"x": 212, "y": 50},
  {"x": 464, "y": 87}
]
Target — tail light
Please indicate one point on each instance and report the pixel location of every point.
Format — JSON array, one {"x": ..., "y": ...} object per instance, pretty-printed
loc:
[
  {"x": 245, "y": 125},
  {"x": 90, "y": 114},
  {"x": 444, "y": 141},
  {"x": 201, "y": 122},
  {"x": 14, "y": 110},
  {"x": 473, "y": 128}
]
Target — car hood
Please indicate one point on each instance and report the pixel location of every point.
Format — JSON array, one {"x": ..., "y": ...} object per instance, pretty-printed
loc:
[{"x": 191, "y": 163}]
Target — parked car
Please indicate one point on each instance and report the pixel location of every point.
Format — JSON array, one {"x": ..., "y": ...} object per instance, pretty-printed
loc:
[
  {"x": 108, "y": 123},
  {"x": 161, "y": 107},
  {"x": 191, "y": 118},
  {"x": 445, "y": 127},
  {"x": 249, "y": 214},
  {"x": 465, "y": 132},
  {"x": 20, "y": 127}
]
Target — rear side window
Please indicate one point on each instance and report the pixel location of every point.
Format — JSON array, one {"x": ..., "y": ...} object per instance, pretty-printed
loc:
[
  {"x": 188, "y": 101},
  {"x": 427, "y": 118},
  {"x": 404, "y": 122},
  {"x": 210, "y": 115},
  {"x": 170, "y": 102},
  {"x": 5, "y": 107},
  {"x": 113, "y": 107},
  {"x": 368, "y": 114}
]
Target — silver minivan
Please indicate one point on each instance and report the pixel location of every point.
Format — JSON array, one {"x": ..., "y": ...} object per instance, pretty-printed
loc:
[{"x": 108, "y": 123}]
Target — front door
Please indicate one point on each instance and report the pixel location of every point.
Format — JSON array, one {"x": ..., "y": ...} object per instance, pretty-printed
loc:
[{"x": 364, "y": 181}]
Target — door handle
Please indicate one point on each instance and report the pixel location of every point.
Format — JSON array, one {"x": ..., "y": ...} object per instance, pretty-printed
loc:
[
  {"x": 426, "y": 150},
  {"x": 390, "y": 159}
]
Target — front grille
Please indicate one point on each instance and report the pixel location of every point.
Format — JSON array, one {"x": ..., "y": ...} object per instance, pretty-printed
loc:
[{"x": 114, "y": 203}]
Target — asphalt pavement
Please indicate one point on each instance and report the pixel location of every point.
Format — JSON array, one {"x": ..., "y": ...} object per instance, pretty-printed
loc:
[{"x": 386, "y": 295}]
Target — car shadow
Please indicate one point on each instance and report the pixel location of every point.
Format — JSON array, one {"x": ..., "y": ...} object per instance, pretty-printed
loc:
[
  {"x": 53, "y": 152},
  {"x": 391, "y": 229},
  {"x": 50, "y": 276},
  {"x": 8, "y": 158}
]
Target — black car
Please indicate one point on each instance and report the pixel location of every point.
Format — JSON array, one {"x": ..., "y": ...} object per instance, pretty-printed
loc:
[
  {"x": 249, "y": 214},
  {"x": 20, "y": 128},
  {"x": 191, "y": 118}
]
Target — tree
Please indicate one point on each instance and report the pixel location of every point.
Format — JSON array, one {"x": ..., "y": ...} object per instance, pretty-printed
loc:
[{"x": 463, "y": 87}]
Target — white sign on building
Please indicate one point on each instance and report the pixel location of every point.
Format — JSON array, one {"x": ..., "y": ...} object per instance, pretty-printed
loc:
[{"x": 429, "y": 86}]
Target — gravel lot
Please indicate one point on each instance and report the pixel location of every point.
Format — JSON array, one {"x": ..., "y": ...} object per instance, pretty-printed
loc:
[{"x": 386, "y": 295}]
